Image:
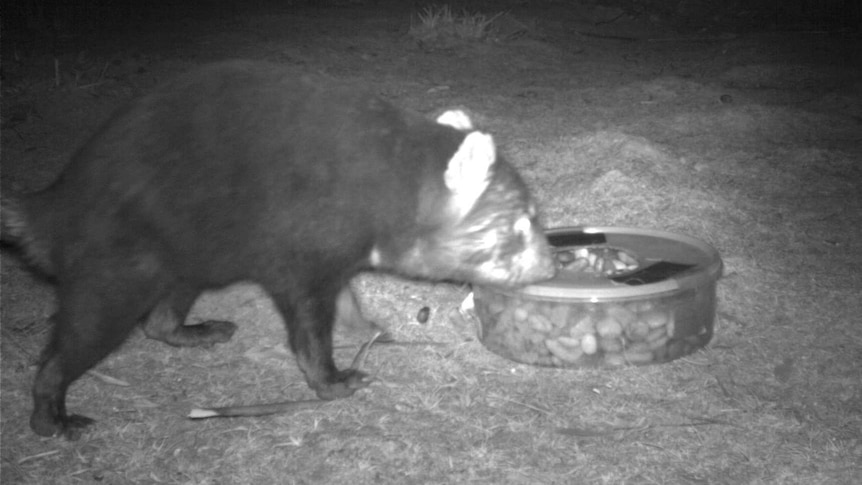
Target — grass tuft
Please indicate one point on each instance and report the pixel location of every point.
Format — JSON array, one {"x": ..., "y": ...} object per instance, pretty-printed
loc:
[{"x": 440, "y": 24}]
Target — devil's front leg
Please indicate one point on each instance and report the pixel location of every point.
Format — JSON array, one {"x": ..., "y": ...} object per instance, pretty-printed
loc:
[{"x": 309, "y": 316}]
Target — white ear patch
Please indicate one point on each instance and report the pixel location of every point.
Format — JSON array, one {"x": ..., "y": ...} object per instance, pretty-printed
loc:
[
  {"x": 456, "y": 119},
  {"x": 468, "y": 173}
]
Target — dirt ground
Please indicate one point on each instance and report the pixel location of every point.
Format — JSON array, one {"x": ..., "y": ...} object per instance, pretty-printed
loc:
[{"x": 739, "y": 126}]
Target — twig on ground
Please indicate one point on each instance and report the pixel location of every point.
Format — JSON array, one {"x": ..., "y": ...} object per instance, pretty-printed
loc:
[
  {"x": 278, "y": 407},
  {"x": 38, "y": 456},
  {"x": 359, "y": 360}
]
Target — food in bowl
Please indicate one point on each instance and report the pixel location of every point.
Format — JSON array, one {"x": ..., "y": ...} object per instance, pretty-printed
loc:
[{"x": 621, "y": 296}]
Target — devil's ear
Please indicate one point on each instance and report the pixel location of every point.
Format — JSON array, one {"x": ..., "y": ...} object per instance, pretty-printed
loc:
[
  {"x": 456, "y": 119},
  {"x": 469, "y": 170}
]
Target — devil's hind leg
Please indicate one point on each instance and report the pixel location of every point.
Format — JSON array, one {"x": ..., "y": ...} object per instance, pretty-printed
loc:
[
  {"x": 166, "y": 322},
  {"x": 99, "y": 305}
]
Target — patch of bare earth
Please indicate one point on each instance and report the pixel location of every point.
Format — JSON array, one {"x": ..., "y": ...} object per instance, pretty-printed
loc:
[{"x": 752, "y": 142}]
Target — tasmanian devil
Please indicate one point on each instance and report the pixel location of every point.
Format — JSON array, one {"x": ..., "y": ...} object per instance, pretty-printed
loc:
[{"x": 246, "y": 171}]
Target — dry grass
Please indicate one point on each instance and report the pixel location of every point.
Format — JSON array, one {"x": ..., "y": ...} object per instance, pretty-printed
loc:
[
  {"x": 439, "y": 25},
  {"x": 775, "y": 398}
]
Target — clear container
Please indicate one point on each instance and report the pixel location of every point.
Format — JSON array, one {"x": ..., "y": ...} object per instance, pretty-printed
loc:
[{"x": 621, "y": 296}]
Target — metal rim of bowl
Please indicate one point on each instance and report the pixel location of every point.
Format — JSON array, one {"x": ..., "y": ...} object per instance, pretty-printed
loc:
[{"x": 707, "y": 269}]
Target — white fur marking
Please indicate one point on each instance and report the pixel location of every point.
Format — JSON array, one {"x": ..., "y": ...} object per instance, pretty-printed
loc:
[
  {"x": 523, "y": 225},
  {"x": 374, "y": 257},
  {"x": 467, "y": 175},
  {"x": 491, "y": 271},
  {"x": 456, "y": 119},
  {"x": 490, "y": 239}
]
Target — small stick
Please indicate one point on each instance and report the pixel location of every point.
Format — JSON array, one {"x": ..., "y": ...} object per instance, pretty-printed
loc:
[
  {"x": 92, "y": 85},
  {"x": 277, "y": 407},
  {"x": 108, "y": 379},
  {"x": 38, "y": 456},
  {"x": 254, "y": 409},
  {"x": 359, "y": 360}
]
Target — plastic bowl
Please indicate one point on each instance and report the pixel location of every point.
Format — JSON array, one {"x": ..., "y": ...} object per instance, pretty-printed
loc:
[{"x": 621, "y": 296}]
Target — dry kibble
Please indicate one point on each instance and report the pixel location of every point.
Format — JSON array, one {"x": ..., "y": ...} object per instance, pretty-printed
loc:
[
  {"x": 658, "y": 343},
  {"x": 569, "y": 342},
  {"x": 654, "y": 318},
  {"x": 559, "y": 314},
  {"x": 608, "y": 327},
  {"x": 589, "y": 344},
  {"x": 536, "y": 337},
  {"x": 584, "y": 326},
  {"x": 598, "y": 260},
  {"x": 621, "y": 314},
  {"x": 640, "y": 307},
  {"x": 562, "y": 352},
  {"x": 564, "y": 334},
  {"x": 637, "y": 331},
  {"x": 539, "y": 323}
]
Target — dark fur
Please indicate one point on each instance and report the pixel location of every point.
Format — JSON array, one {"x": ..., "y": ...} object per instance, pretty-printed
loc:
[{"x": 247, "y": 171}]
